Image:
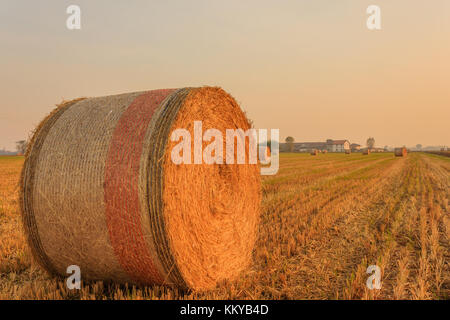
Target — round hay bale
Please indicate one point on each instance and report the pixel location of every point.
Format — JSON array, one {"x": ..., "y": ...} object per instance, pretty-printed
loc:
[
  {"x": 347, "y": 151},
  {"x": 400, "y": 152},
  {"x": 314, "y": 152},
  {"x": 99, "y": 190},
  {"x": 366, "y": 152}
]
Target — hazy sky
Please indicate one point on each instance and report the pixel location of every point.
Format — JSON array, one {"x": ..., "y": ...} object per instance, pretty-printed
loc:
[{"x": 310, "y": 68}]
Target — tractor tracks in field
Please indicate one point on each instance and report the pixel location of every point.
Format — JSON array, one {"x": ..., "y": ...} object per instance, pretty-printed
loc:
[
  {"x": 403, "y": 238},
  {"x": 296, "y": 236},
  {"x": 388, "y": 213},
  {"x": 300, "y": 190}
]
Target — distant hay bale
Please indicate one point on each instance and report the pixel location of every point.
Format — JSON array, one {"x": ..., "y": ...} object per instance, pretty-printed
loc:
[
  {"x": 400, "y": 152},
  {"x": 314, "y": 152},
  {"x": 324, "y": 151},
  {"x": 347, "y": 152},
  {"x": 366, "y": 152},
  {"x": 99, "y": 190}
]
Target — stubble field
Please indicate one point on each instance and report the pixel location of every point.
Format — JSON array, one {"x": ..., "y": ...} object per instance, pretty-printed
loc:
[{"x": 324, "y": 220}]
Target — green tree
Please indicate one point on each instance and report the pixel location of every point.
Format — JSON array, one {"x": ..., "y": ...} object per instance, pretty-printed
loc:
[
  {"x": 290, "y": 142},
  {"x": 21, "y": 146},
  {"x": 370, "y": 142}
]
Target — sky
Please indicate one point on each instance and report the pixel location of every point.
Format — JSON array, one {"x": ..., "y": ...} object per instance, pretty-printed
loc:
[{"x": 309, "y": 68}]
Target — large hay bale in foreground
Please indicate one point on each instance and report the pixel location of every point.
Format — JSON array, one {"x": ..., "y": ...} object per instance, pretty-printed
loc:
[
  {"x": 99, "y": 190},
  {"x": 400, "y": 152}
]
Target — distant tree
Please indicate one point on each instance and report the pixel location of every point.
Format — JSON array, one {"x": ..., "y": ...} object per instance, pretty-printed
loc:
[
  {"x": 370, "y": 142},
  {"x": 419, "y": 146},
  {"x": 21, "y": 146},
  {"x": 289, "y": 139},
  {"x": 290, "y": 142}
]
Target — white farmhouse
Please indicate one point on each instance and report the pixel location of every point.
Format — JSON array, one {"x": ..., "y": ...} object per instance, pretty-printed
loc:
[{"x": 337, "y": 145}]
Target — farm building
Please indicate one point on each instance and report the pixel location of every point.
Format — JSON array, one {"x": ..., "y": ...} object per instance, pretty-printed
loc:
[
  {"x": 329, "y": 146},
  {"x": 309, "y": 146},
  {"x": 337, "y": 145},
  {"x": 355, "y": 147},
  {"x": 363, "y": 150}
]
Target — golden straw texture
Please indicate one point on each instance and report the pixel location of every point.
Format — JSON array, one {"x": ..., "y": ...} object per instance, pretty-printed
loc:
[{"x": 100, "y": 191}]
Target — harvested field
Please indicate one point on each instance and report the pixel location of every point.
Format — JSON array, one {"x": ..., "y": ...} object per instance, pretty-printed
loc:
[{"x": 324, "y": 220}]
